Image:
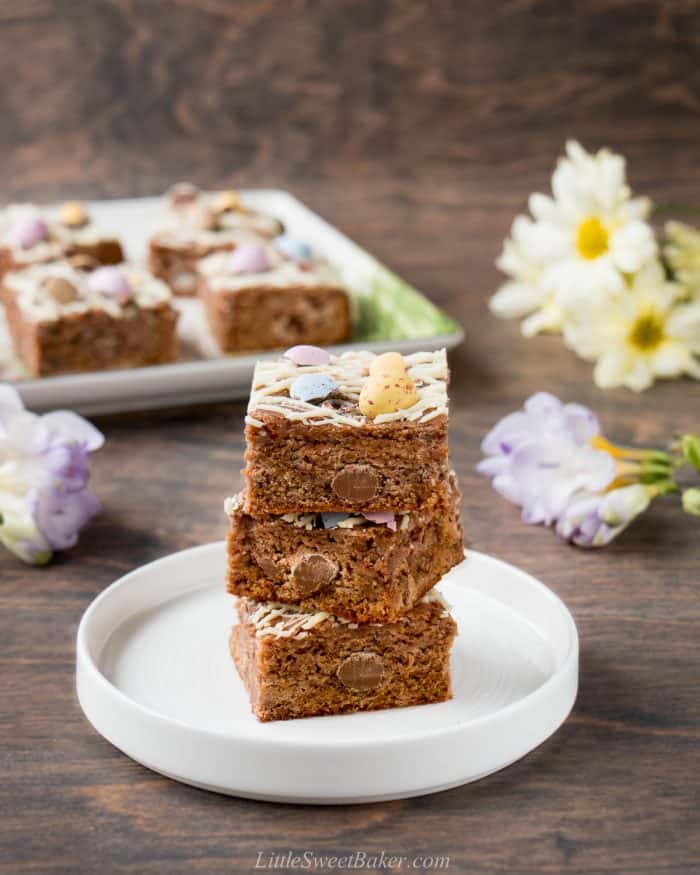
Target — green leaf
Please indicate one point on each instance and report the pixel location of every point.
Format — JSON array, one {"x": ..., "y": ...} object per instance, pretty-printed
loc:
[
  {"x": 691, "y": 501},
  {"x": 390, "y": 309},
  {"x": 690, "y": 446}
]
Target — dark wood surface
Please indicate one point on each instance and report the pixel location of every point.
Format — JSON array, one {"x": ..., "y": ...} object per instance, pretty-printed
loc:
[{"x": 419, "y": 129}]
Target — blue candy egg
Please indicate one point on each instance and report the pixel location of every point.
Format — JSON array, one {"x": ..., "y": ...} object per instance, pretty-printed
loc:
[
  {"x": 331, "y": 520},
  {"x": 312, "y": 387},
  {"x": 294, "y": 249}
]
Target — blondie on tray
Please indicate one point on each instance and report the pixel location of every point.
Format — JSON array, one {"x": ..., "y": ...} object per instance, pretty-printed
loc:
[
  {"x": 310, "y": 448},
  {"x": 62, "y": 319},
  {"x": 261, "y": 297},
  {"x": 32, "y": 235},
  {"x": 364, "y": 569},
  {"x": 297, "y": 664},
  {"x": 199, "y": 223}
]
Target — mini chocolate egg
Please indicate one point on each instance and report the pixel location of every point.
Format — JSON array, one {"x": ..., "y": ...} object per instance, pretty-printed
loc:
[
  {"x": 28, "y": 231},
  {"x": 73, "y": 214},
  {"x": 295, "y": 250},
  {"x": 312, "y": 572},
  {"x": 110, "y": 282},
  {"x": 227, "y": 202},
  {"x": 355, "y": 484},
  {"x": 361, "y": 672},
  {"x": 60, "y": 290},
  {"x": 82, "y": 261},
  {"x": 312, "y": 387},
  {"x": 387, "y": 394},
  {"x": 387, "y": 363},
  {"x": 248, "y": 258},
  {"x": 308, "y": 355}
]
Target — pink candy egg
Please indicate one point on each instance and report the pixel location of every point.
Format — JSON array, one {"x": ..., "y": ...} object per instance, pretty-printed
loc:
[
  {"x": 382, "y": 518},
  {"x": 29, "y": 231},
  {"x": 248, "y": 258},
  {"x": 110, "y": 281},
  {"x": 307, "y": 355}
]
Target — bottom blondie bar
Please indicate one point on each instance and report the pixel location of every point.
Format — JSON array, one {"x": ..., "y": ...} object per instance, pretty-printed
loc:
[{"x": 307, "y": 664}]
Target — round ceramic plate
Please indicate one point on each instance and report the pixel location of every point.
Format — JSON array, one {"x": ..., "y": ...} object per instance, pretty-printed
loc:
[{"x": 155, "y": 678}]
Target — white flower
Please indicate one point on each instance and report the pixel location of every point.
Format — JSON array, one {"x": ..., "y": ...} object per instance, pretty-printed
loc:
[
  {"x": 646, "y": 333},
  {"x": 683, "y": 254},
  {"x": 592, "y": 232},
  {"x": 524, "y": 294}
]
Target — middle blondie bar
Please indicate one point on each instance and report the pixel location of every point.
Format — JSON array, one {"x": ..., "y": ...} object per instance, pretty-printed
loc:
[{"x": 359, "y": 568}]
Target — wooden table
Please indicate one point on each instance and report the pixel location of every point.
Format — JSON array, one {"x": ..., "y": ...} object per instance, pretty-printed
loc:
[
  {"x": 420, "y": 135},
  {"x": 614, "y": 790}
]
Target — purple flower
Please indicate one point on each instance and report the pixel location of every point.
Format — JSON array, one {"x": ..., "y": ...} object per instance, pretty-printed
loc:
[
  {"x": 44, "y": 473},
  {"x": 594, "y": 520},
  {"x": 539, "y": 457},
  {"x": 61, "y": 515}
]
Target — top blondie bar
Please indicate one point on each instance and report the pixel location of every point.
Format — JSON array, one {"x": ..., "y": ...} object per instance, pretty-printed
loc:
[{"x": 310, "y": 448}]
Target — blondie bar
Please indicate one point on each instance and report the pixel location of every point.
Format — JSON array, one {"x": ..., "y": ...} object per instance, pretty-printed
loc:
[
  {"x": 197, "y": 224},
  {"x": 297, "y": 664},
  {"x": 32, "y": 235},
  {"x": 258, "y": 297},
  {"x": 311, "y": 449},
  {"x": 364, "y": 569},
  {"x": 62, "y": 319}
]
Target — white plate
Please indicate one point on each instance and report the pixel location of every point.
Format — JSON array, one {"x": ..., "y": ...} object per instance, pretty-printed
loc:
[
  {"x": 206, "y": 375},
  {"x": 155, "y": 678}
]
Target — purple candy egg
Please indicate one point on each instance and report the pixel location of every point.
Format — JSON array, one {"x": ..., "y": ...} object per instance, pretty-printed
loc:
[
  {"x": 110, "y": 281},
  {"x": 248, "y": 258},
  {"x": 29, "y": 231},
  {"x": 308, "y": 355}
]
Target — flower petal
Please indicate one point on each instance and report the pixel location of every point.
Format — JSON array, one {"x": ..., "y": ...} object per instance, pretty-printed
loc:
[
  {"x": 70, "y": 426},
  {"x": 515, "y": 300},
  {"x": 611, "y": 368},
  {"x": 632, "y": 246},
  {"x": 60, "y": 516},
  {"x": 671, "y": 359}
]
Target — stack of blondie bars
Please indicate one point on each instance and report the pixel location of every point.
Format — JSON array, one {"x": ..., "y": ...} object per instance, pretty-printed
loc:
[{"x": 349, "y": 517}]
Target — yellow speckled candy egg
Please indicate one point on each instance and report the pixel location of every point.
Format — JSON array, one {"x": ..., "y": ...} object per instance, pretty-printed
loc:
[
  {"x": 227, "y": 202},
  {"x": 386, "y": 394},
  {"x": 388, "y": 364},
  {"x": 72, "y": 214}
]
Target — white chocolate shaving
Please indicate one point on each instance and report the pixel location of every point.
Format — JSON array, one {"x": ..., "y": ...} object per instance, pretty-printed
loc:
[
  {"x": 307, "y": 521},
  {"x": 37, "y": 305},
  {"x": 179, "y": 230},
  {"x": 233, "y": 504},
  {"x": 272, "y": 380},
  {"x": 60, "y": 238},
  {"x": 283, "y": 273},
  {"x": 287, "y": 621},
  {"x": 352, "y": 521}
]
